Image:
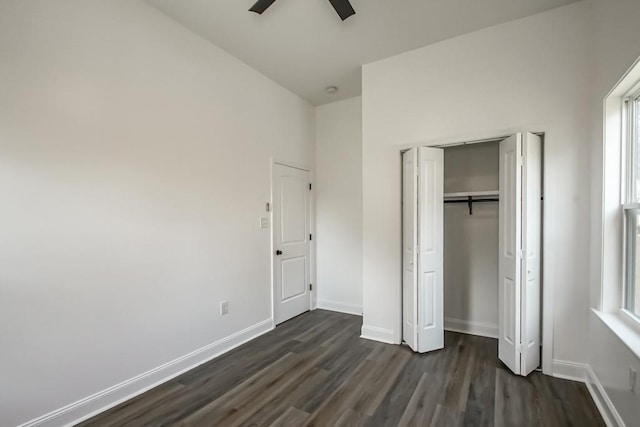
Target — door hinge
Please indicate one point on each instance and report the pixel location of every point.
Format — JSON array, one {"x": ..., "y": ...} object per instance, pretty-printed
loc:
[
  {"x": 310, "y": 286},
  {"x": 521, "y": 253},
  {"x": 310, "y": 236},
  {"x": 309, "y": 186}
]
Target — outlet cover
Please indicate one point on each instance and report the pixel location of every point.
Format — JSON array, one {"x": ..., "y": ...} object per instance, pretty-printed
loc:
[{"x": 224, "y": 308}]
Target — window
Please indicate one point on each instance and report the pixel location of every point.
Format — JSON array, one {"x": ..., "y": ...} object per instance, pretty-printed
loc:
[
  {"x": 619, "y": 302},
  {"x": 631, "y": 203}
]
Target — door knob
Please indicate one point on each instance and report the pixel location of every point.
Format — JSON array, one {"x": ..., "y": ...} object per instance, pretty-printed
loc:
[{"x": 278, "y": 252}]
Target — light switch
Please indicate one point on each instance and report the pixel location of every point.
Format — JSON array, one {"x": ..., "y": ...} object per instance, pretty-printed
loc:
[{"x": 264, "y": 222}]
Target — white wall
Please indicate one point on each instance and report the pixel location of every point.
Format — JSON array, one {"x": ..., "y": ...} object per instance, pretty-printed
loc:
[
  {"x": 134, "y": 167},
  {"x": 471, "y": 241},
  {"x": 616, "y": 35},
  {"x": 531, "y": 74},
  {"x": 339, "y": 205}
]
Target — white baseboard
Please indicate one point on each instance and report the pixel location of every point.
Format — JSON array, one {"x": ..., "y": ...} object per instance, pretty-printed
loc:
[
  {"x": 340, "y": 307},
  {"x": 584, "y": 373},
  {"x": 489, "y": 330},
  {"x": 112, "y": 396},
  {"x": 570, "y": 370},
  {"x": 378, "y": 334},
  {"x": 609, "y": 412}
]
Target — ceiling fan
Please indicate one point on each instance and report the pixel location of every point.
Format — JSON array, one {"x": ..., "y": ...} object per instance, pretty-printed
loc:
[{"x": 342, "y": 7}]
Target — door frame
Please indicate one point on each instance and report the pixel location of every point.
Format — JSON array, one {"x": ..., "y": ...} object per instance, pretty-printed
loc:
[
  {"x": 312, "y": 229},
  {"x": 547, "y": 313}
]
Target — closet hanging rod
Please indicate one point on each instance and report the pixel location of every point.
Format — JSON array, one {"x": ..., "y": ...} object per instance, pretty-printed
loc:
[{"x": 470, "y": 199}]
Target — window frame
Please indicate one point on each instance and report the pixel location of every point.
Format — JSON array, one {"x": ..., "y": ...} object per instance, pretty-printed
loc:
[
  {"x": 608, "y": 300},
  {"x": 630, "y": 133}
]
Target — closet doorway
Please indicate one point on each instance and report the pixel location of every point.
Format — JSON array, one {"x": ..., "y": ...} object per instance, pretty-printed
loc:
[{"x": 472, "y": 230}]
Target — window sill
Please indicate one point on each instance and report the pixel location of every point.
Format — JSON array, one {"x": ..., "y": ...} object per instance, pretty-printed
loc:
[{"x": 623, "y": 327}]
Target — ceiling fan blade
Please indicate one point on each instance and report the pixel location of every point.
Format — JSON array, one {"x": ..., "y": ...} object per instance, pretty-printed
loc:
[
  {"x": 261, "y": 6},
  {"x": 343, "y": 7}
]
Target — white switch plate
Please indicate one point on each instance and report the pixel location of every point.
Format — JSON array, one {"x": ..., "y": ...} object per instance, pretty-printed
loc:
[
  {"x": 264, "y": 222},
  {"x": 224, "y": 308}
]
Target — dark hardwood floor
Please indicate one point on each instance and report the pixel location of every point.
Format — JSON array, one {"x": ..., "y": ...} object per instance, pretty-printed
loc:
[{"x": 315, "y": 370}]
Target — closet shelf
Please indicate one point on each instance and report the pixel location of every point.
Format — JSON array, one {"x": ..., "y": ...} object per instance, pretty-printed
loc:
[{"x": 471, "y": 194}]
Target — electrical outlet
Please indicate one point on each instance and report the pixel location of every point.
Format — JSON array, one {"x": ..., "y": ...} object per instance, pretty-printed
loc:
[
  {"x": 224, "y": 308},
  {"x": 633, "y": 378}
]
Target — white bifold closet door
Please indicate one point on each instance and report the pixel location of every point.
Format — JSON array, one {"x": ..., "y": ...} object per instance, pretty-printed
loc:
[
  {"x": 409, "y": 246},
  {"x": 519, "y": 246},
  {"x": 423, "y": 248}
]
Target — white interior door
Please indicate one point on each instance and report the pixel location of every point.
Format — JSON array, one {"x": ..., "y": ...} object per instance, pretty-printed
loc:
[
  {"x": 409, "y": 244},
  {"x": 519, "y": 241},
  {"x": 291, "y": 247},
  {"x": 531, "y": 236},
  {"x": 509, "y": 242},
  {"x": 430, "y": 249}
]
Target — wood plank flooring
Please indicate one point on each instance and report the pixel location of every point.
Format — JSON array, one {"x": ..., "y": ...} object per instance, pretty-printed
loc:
[{"x": 314, "y": 370}]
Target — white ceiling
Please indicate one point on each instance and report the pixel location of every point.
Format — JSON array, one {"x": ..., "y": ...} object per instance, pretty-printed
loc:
[{"x": 303, "y": 45}]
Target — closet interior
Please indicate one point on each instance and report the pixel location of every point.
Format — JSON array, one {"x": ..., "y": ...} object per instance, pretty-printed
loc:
[{"x": 471, "y": 196}]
